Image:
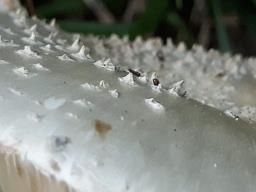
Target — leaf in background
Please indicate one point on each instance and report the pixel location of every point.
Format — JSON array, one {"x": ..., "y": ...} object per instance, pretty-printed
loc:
[
  {"x": 179, "y": 4},
  {"x": 246, "y": 12},
  {"x": 115, "y": 6},
  {"x": 176, "y": 22},
  {"x": 147, "y": 23},
  {"x": 95, "y": 28},
  {"x": 222, "y": 36},
  {"x": 254, "y": 2},
  {"x": 60, "y": 7}
]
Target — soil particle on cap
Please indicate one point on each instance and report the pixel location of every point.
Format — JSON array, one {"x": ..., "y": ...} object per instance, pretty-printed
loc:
[{"x": 102, "y": 128}]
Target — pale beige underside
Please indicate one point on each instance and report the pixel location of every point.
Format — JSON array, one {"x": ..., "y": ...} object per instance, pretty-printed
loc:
[{"x": 17, "y": 175}]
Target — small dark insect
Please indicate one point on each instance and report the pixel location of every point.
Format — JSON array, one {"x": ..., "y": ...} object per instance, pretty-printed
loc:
[
  {"x": 136, "y": 73},
  {"x": 156, "y": 82}
]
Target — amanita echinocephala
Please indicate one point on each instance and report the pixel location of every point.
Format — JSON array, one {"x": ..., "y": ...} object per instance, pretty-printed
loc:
[{"x": 77, "y": 115}]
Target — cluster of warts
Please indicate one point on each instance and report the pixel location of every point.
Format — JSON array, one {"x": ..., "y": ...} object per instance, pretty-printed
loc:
[
  {"x": 36, "y": 47},
  {"x": 206, "y": 76},
  {"x": 77, "y": 52}
]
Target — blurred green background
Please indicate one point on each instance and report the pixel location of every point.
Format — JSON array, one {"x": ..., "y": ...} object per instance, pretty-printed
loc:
[{"x": 228, "y": 25}]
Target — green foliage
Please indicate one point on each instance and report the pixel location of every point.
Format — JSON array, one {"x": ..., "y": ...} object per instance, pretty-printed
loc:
[
  {"x": 59, "y": 7},
  {"x": 223, "y": 41},
  {"x": 160, "y": 17}
]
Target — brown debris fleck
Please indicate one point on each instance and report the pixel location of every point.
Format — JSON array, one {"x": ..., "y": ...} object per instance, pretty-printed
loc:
[{"x": 101, "y": 127}]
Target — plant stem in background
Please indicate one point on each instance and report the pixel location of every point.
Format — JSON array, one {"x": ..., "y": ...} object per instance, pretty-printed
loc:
[
  {"x": 146, "y": 24},
  {"x": 100, "y": 10},
  {"x": 175, "y": 21},
  {"x": 30, "y": 7},
  {"x": 222, "y": 36},
  {"x": 60, "y": 7},
  {"x": 95, "y": 28}
]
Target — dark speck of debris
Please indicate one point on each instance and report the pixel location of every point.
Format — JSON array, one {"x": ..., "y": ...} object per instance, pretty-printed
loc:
[
  {"x": 160, "y": 55},
  {"x": 236, "y": 117},
  {"x": 106, "y": 45},
  {"x": 125, "y": 111},
  {"x": 59, "y": 143},
  {"x": 102, "y": 128},
  {"x": 156, "y": 82},
  {"x": 136, "y": 73},
  {"x": 55, "y": 166},
  {"x": 220, "y": 74},
  {"x": 175, "y": 129},
  {"x": 183, "y": 94}
]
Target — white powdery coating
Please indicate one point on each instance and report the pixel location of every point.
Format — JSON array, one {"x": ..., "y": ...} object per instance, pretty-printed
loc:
[
  {"x": 75, "y": 45},
  {"x": 154, "y": 105},
  {"x": 7, "y": 43},
  {"x": 65, "y": 57},
  {"x": 103, "y": 84},
  {"x": 20, "y": 21},
  {"x": 105, "y": 64},
  {"x": 32, "y": 29},
  {"x": 142, "y": 78},
  {"x": 47, "y": 48},
  {"x": 153, "y": 76},
  {"x": 31, "y": 39},
  {"x": 51, "y": 26},
  {"x": 7, "y": 30},
  {"x": 16, "y": 92},
  {"x": 49, "y": 38},
  {"x": 249, "y": 111},
  {"x": 157, "y": 88},
  {"x": 27, "y": 52},
  {"x": 23, "y": 72},
  {"x": 62, "y": 41},
  {"x": 177, "y": 89},
  {"x": 81, "y": 54},
  {"x": 72, "y": 115},
  {"x": 83, "y": 103},
  {"x": 3, "y": 62},
  {"x": 90, "y": 87},
  {"x": 40, "y": 67},
  {"x": 114, "y": 178},
  {"x": 53, "y": 103},
  {"x": 128, "y": 80},
  {"x": 114, "y": 93},
  {"x": 231, "y": 114},
  {"x": 35, "y": 117}
]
